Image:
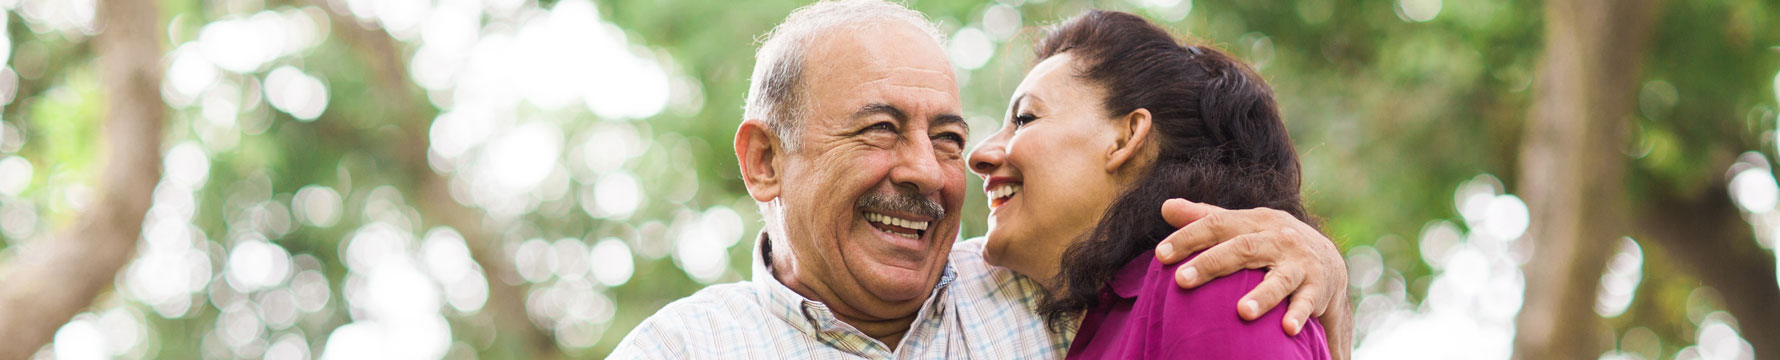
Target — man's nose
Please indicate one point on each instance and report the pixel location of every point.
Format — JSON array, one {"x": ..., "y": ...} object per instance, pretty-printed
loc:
[{"x": 918, "y": 167}]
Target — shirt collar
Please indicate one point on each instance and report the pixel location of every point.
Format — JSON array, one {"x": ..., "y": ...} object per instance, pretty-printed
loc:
[
  {"x": 1129, "y": 281},
  {"x": 813, "y": 317}
]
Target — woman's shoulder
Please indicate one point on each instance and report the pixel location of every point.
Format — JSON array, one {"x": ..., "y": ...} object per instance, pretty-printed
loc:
[
  {"x": 1156, "y": 279},
  {"x": 1204, "y": 320}
]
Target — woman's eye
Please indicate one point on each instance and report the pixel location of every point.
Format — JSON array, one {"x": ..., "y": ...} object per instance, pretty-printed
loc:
[{"x": 1022, "y": 119}]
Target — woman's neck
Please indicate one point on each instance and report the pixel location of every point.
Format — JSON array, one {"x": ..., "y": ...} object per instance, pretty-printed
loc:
[{"x": 1042, "y": 263}]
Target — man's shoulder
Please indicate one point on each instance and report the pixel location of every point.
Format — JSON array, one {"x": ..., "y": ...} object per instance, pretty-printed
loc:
[
  {"x": 986, "y": 287},
  {"x": 697, "y": 322},
  {"x": 973, "y": 271},
  {"x": 969, "y": 254},
  {"x": 998, "y": 309},
  {"x": 721, "y": 302}
]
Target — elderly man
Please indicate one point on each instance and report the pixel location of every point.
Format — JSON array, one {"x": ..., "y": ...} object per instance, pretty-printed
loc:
[{"x": 853, "y": 120}]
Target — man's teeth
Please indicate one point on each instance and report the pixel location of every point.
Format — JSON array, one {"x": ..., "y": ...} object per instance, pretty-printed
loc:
[
  {"x": 1004, "y": 190},
  {"x": 896, "y": 221}
]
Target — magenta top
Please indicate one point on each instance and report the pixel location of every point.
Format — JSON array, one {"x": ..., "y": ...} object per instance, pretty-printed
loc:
[{"x": 1145, "y": 315}]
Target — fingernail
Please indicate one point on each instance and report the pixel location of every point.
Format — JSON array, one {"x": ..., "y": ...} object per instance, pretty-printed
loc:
[
  {"x": 1252, "y": 307},
  {"x": 1297, "y": 327},
  {"x": 1187, "y": 275},
  {"x": 1164, "y": 251}
]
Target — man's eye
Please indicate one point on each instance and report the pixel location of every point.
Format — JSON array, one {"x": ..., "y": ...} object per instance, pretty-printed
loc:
[
  {"x": 953, "y": 137},
  {"x": 884, "y": 126},
  {"x": 949, "y": 145}
]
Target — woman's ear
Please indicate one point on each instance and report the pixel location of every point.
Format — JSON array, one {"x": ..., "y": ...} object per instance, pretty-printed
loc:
[
  {"x": 1132, "y": 141},
  {"x": 757, "y": 150}
]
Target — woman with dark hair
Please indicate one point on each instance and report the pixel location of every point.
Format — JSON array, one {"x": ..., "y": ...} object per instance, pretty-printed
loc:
[{"x": 1114, "y": 119}]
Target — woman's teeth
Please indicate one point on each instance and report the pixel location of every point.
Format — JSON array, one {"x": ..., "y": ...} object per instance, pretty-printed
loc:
[
  {"x": 1003, "y": 191},
  {"x": 898, "y": 222}
]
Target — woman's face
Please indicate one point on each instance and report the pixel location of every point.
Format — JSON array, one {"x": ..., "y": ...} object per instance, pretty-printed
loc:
[{"x": 1046, "y": 170}]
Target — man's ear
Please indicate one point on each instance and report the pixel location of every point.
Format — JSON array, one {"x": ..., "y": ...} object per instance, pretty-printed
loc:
[
  {"x": 757, "y": 150},
  {"x": 1132, "y": 140}
]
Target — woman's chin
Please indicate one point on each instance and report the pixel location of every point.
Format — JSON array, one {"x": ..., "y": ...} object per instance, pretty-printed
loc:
[{"x": 995, "y": 247}]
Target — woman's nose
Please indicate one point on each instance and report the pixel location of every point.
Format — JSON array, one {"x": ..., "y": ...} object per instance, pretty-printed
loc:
[{"x": 987, "y": 157}]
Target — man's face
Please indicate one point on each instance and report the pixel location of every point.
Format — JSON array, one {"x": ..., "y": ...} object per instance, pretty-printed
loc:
[{"x": 872, "y": 197}]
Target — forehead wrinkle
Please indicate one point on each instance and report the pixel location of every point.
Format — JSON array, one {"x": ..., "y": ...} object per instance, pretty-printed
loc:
[
  {"x": 917, "y": 106},
  {"x": 922, "y": 88},
  {"x": 944, "y": 73},
  {"x": 887, "y": 81}
]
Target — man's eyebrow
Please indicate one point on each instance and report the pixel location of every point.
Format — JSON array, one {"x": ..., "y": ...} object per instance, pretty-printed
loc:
[
  {"x": 881, "y": 108},
  {"x": 894, "y": 112},
  {"x": 949, "y": 119}
]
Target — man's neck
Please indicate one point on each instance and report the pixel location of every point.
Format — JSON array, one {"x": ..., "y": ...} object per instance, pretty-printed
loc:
[{"x": 886, "y": 330}]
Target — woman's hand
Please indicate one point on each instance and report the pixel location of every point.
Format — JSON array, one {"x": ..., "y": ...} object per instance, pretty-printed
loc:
[{"x": 1301, "y": 262}]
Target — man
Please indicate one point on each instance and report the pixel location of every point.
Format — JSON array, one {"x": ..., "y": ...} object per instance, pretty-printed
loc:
[{"x": 853, "y": 144}]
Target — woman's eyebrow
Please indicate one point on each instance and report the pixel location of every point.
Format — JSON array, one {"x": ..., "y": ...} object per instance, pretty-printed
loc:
[{"x": 1031, "y": 99}]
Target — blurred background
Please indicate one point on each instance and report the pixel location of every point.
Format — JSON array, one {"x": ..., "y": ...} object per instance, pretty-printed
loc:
[{"x": 511, "y": 179}]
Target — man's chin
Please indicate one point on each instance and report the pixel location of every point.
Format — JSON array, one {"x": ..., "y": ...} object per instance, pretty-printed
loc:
[{"x": 898, "y": 284}]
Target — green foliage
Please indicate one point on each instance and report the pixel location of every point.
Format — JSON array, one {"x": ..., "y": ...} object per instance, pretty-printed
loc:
[{"x": 1390, "y": 116}]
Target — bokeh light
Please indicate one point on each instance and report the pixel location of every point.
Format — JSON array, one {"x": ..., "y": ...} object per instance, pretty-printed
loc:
[
  {"x": 15, "y": 175},
  {"x": 298, "y": 94},
  {"x": 1473, "y": 296},
  {"x": 574, "y": 179},
  {"x": 615, "y": 196},
  {"x": 612, "y": 264},
  {"x": 1625, "y": 270},
  {"x": 317, "y": 206},
  {"x": 1418, "y": 10},
  {"x": 970, "y": 48},
  {"x": 1755, "y": 190},
  {"x": 256, "y": 264}
]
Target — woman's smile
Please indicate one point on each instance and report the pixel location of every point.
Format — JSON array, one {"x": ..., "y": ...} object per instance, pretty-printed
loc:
[{"x": 1000, "y": 190}]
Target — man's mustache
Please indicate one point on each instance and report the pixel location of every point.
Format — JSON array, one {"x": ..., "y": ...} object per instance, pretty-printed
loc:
[{"x": 902, "y": 201}]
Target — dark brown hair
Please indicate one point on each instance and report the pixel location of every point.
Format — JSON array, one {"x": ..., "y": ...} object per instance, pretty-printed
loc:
[{"x": 1219, "y": 133}]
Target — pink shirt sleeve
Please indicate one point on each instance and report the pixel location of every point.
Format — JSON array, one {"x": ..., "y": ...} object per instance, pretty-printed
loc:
[
  {"x": 1203, "y": 322},
  {"x": 1145, "y": 315}
]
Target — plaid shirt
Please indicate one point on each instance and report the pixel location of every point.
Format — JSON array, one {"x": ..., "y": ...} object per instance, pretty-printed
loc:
[{"x": 976, "y": 311}]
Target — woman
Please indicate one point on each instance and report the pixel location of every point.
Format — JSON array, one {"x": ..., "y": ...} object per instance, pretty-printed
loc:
[{"x": 1113, "y": 120}]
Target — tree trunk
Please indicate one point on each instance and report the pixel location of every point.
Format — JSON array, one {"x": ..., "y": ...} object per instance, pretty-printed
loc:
[
  {"x": 1572, "y": 169},
  {"x": 55, "y": 278}
]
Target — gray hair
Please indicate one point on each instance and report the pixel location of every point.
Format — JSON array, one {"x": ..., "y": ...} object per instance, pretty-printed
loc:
[{"x": 775, "y": 91}]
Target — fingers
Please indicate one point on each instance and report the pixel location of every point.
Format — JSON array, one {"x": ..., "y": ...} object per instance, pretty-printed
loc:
[
  {"x": 1241, "y": 252},
  {"x": 1203, "y": 233},
  {"x": 1279, "y": 283},
  {"x": 1299, "y": 312},
  {"x": 1180, "y": 212}
]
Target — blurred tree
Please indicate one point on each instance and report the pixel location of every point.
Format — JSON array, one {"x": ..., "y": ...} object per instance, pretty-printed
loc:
[
  {"x": 54, "y": 279},
  {"x": 615, "y": 117},
  {"x": 1575, "y": 180},
  {"x": 408, "y": 155},
  {"x": 1572, "y": 170}
]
